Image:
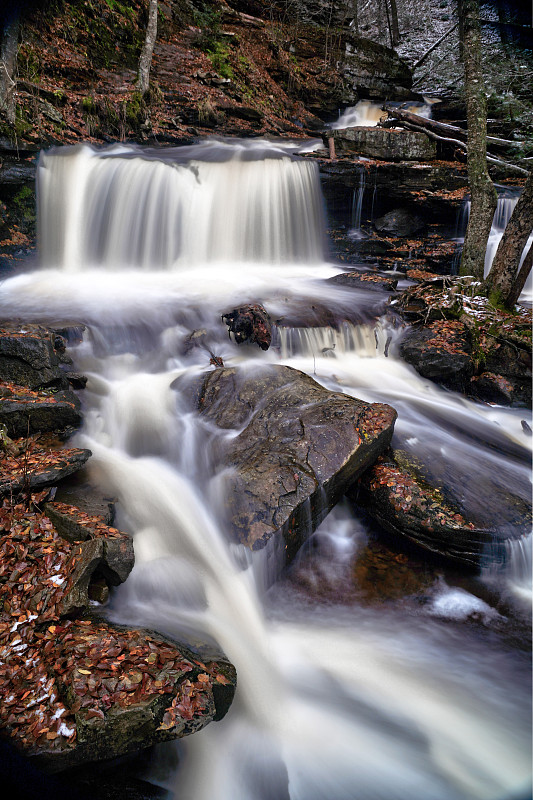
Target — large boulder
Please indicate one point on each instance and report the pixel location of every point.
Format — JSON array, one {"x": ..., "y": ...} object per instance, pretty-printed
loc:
[
  {"x": 299, "y": 447},
  {"x": 400, "y": 222},
  {"x": 385, "y": 144}
]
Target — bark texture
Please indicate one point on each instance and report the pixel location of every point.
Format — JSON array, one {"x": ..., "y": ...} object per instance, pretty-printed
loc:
[
  {"x": 505, "y": 279},
  {"x": 482, "y": 191},
  {"x": 145, "y": 61},
  {"x": 8, "y": 61}
]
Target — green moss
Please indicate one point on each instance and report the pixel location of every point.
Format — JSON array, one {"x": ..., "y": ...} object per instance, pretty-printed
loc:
[
  {"x": 135, "y": 110},
  {"x": 219, "y": 58}
]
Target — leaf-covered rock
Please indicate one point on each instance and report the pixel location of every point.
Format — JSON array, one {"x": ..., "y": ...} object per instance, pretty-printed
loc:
[
  {"x": 441, "y": 351},
  {"x": 79, "y": 690},
  {"x": 409, "y": 508},
  {"x": 25, "y": 412},
  {"x": 35, "y": 466}
]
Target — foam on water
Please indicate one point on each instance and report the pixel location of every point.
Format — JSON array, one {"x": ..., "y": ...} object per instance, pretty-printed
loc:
[{"x": 333, "y": 701}]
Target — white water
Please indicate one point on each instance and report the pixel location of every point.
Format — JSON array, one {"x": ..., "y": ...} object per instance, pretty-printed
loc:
[
  {"x": 335, "y": 700},
  {"x": 367, "y": 114},
  {"x": 502, "y": 215}
]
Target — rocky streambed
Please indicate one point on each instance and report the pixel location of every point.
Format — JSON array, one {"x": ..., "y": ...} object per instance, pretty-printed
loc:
[{"x": 77, "y": 688}]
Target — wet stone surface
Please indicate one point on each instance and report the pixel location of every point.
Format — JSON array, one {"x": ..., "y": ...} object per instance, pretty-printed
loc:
[
  {"x": 299, "y": 448},
  {"x": 81, "y": 689}
]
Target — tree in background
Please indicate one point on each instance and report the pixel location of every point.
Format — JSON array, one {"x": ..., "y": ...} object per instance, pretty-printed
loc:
[
  {"x": 482, "y": 192},
  {"x": 9, "y": 26},
  {"x": 145, "y": 61}
]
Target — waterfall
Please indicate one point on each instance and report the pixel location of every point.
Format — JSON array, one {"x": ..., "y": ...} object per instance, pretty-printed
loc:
[
  {"x": 502, "y": 215},
  {"x": 367, "y": 114},
  {"x": 357, "y": 206},
  {"x": 337, "y": 697},
  {"x": 123, "y": 207}
]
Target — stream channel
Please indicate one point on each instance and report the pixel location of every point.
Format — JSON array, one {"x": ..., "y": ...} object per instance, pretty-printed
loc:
[{"x": 342, "y": 695}]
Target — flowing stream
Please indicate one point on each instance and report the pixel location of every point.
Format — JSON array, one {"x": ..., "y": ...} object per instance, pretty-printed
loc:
[{"x": 339, "y": 698}]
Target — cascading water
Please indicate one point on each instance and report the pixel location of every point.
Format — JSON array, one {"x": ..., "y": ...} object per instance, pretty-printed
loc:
[
  {"x": 127, "y": 207},
  {"x": 357, "y": 207},
  {"x": 367, "y": 114},
  {"x": 502, "y": 215},
  {"x": 336, "y": 699}
]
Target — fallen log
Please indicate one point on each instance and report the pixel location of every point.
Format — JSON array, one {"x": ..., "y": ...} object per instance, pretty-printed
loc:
[
  {"x": 443, "y": 128},
  {"x": 461, "y": 145}
]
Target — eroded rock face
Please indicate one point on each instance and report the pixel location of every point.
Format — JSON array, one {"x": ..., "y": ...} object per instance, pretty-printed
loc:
[
  {"x": 399, "y": 222},
  {"x": 299, "y": 448}
]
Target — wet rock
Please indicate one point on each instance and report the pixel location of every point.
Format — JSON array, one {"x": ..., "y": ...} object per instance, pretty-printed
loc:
[
  {"x": 400, "y": 222},
  {"x": 410, "y": 509},
  {"x": 493, "y": 389},
  {"x": 35, "y": 467},
  {"x": 250, "y": 324},
  {"x": 198, "y": 338},
  {"x": 24, "y": 412},
  {"x": 77, "y": 526},
  {"x": 76, "y": 380},
  {"x": 508, "y": 356},
  {"x": 299, "y": 448},
  {"x": 14, "y": 174},
  {"x": 28, "y": 357},
  {"x": 385, "y": 144},
  {"x": 79, "y": 690},
  {"x": 365, "y": 280},
  {"x": 382, "y": 574},
  {"x": 441, "y": 351}
]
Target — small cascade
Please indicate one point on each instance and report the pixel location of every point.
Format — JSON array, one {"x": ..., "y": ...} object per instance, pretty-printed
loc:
[
  {"x": 367, "y": 114},
  {"x": 365, "y": 341},
  {"x": 504, "y": 209},
  {"x": 357, "y": 206},
  {"x": 124, "y": 207},
  {"x": 511, "y": 561}
]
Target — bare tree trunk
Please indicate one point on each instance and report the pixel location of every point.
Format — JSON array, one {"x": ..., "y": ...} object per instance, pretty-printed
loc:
[
  {"x": 355, "y": 9},
  {"x": 504, "y": 273},
  {"x": 145, "y": 61},
  {"x": 521, "y": 278},
  {"x": 395, "y": 36},
  {"x": 8, "y": 63},
  {"x": 482, "y": 192}
]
